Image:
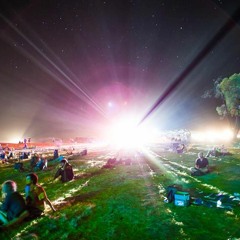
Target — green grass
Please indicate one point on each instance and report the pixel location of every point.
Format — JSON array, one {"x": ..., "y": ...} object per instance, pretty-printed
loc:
[{"x": 126, "y": 202}]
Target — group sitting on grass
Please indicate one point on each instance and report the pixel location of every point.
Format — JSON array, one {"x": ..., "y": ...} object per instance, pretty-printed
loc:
[
  {"x": 14, "y": 208},
  {"x": 38, "y": 162},
  {"x": 218, "y": 151}
]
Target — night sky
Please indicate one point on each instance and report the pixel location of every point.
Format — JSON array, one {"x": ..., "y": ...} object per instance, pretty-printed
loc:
[{"x": 71, "y": 68}]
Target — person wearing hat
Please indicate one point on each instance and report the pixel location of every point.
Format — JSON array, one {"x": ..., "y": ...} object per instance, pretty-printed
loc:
[{"x": 65, "y": 171}]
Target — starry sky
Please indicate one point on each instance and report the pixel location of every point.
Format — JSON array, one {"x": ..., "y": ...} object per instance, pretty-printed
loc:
[{"x": 70, "y": 68}]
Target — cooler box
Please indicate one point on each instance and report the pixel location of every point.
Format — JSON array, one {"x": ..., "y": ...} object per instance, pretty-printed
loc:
[{"x": 181, "y": 199}]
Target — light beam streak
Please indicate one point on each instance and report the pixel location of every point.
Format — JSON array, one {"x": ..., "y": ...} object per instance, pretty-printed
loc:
[
  {"x": 69, "y": 80},
  {"x": 224, "y": 30}
]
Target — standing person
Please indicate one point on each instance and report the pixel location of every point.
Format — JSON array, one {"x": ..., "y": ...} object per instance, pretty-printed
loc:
[
  {"x": 55, "y": 154},
  {"x": 13, "y": 204},
  {"x": 201, "y": 165},
  {"x": 36, "y": 196}
]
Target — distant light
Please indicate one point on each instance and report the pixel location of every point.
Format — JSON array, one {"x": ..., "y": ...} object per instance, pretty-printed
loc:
[
  {"x": 110, "y": 104},
  {"x": 212, "y": 135},
  {"x": 15, "y": 139}
]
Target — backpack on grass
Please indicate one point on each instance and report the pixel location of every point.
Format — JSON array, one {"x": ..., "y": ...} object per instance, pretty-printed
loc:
[
  {"x": 18, "y": 166},
  {"x": 171, "y": 190}
]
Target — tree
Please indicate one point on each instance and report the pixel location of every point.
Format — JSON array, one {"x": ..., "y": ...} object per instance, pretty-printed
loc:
[{"x": 228, "y": 89}]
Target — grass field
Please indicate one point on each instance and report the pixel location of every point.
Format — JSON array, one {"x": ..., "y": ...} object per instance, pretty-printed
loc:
[{"x": 127, "y": 201}]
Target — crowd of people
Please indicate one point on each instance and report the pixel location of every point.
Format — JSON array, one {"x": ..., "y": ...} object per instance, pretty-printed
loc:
[
  {"x": 218, "y": 151},
  {"x": 6, "y": 153},
  {"x": 15, "y": 208}
]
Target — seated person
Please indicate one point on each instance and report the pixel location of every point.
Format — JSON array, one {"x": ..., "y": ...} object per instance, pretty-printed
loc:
[
  {"x": 201, "y": 166},
  {"x": 84, "y": 152},
  {"x": 224, "y": 151},
  {"x": 36, "y": 197},
  {"x": 180, "y": 148},
  {"x": 13, "y": 208},
  {"x": 65, "y": 171},
  {"x": 33, "y": 161},
  {"x": 18, "y": 166},
  {"x": 41, "y": 163},
  {"x": 60, "y": 158},
  {"x": 10, "y": 155},
  {"x": 2, "y": 156},
  {"x": 214, "y": 152}
]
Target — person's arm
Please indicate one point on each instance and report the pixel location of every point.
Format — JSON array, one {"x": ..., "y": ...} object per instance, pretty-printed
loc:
[
  {"x": 64, "y": 166},
  {"x": 43, "y": 196},
  {"x": 57, "y": 174},
  {"x": 50, "y": 204},
  {"x": 207, "y": 164},
  {"x": 17, "y": 220},
  {"x": 196, "y": 164},
  {"x": 5, "y": 203},
  {"x": 28, "y": 198}
]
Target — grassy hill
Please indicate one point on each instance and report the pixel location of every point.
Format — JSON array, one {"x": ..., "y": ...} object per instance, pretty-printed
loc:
[{"x": 127, "y": 201}]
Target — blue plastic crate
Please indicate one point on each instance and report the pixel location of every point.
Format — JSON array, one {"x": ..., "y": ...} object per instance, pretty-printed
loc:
[{"x": 181, "y": 199}]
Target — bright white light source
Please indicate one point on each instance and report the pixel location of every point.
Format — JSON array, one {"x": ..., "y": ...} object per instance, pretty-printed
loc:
[{"x": 126, "y": 134}]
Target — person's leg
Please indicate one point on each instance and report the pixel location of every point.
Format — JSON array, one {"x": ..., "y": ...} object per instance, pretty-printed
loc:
[
  {"x": 193, "y": 169},
  {"x": 3, "y": 217},
  {"x": 208, "y": 154},
  {"x": 196, "y": 172},
  {"x": 204, "y": 170}
]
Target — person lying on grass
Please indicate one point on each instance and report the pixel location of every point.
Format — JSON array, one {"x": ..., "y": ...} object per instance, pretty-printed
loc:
[
  {"x": 201, "y": 165},
  {"x": 13, "y": 208},
  {"x": 36, "y": 196}
]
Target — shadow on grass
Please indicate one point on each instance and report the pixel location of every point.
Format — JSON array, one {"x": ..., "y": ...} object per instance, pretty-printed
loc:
[
  {"x": 70, "y": 201},
  {"x": 88, "y": 174}
]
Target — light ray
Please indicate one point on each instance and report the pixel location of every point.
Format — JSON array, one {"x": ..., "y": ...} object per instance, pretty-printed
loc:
[
  {"x": 222, "y": 32},
  {"x": 90, "y": 100}
]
